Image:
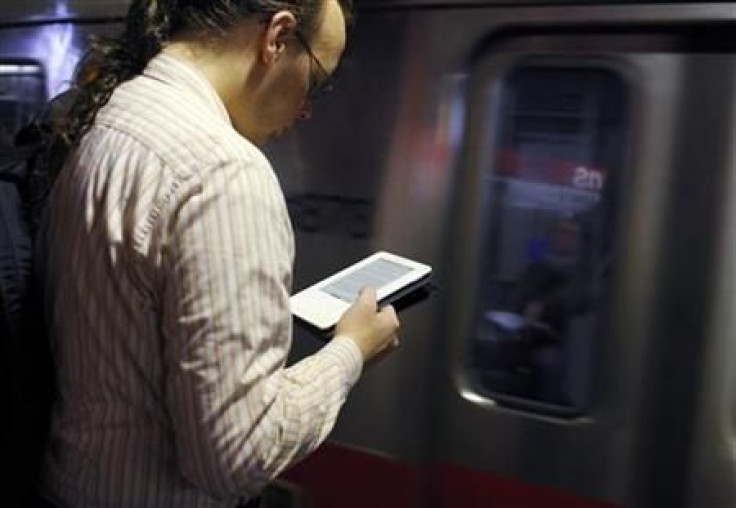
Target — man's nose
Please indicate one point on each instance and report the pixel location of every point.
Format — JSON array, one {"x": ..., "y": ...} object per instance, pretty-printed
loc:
[{"x": 305, "y": 111}]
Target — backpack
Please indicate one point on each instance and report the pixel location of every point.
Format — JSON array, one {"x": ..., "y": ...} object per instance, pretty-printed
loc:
[{"x": 27, "y": 172}]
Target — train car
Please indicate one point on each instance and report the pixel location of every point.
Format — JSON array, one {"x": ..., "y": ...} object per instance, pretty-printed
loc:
[{"x": 567, "y": 169}]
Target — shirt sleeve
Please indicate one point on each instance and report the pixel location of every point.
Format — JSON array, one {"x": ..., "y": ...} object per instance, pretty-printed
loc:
[{"x": 239, "y": 417}]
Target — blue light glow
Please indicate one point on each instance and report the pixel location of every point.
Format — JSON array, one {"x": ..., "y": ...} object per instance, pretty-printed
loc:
[{"x": 55, "y": 47}]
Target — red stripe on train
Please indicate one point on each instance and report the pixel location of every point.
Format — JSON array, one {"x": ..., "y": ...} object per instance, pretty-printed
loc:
[
  {"x": 458, "y": 486},
  {"x": 339, "y": 477},
  {"x": 335, "y": 476}
]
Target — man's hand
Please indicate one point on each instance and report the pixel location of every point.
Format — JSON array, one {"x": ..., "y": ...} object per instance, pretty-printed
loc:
[{"x": 373, "y": 331}]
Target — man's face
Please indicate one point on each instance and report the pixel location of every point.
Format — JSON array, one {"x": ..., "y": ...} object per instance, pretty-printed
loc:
[{"x": 306, "y": 65}]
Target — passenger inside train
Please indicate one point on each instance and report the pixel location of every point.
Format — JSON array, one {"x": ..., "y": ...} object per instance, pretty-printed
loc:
[{"x": 553, "y": 186}]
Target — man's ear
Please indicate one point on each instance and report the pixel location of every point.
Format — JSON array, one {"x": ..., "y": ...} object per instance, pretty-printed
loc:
[{"x": 273, "y": 43}]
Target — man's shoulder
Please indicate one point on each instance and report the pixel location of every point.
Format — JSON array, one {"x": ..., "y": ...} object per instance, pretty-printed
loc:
[{"x": 182, "y": 129}]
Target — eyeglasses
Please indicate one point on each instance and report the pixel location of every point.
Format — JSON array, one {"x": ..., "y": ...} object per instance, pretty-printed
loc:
[{"x": 318, "y": 85}]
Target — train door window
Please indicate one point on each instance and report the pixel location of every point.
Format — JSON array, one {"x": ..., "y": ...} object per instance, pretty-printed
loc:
[
  {"x": 550, "y": 187},
  {"x": 22, "y": 93}
]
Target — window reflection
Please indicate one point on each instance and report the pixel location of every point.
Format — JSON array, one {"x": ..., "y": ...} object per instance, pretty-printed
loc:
[{"x": 547, "y": 251}]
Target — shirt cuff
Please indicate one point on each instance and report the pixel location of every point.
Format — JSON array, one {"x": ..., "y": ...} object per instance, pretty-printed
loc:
[{"x": 346, "y": 351}]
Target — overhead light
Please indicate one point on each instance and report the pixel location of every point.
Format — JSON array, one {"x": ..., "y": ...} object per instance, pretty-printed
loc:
[{"x": 16, "y": 69}]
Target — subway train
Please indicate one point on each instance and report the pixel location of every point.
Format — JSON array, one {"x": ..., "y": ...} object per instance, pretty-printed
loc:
[{"x": 568, "y": 169}]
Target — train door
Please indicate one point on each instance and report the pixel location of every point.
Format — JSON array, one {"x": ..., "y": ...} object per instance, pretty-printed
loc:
[{"x": 589, "y": 214}]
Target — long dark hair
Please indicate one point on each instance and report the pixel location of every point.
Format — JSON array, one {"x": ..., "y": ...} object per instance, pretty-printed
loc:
[{"x": 149, "y": 25}]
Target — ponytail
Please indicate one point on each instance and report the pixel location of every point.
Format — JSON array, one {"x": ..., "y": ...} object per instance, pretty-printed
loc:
[{"x": 110, "y": 62}]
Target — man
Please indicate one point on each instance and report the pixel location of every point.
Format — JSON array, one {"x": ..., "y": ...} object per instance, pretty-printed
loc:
[{"x": 168, "y": 254}]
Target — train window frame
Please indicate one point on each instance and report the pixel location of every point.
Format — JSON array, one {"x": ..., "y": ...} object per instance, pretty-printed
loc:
[
  {"x": 486, "y": 87},
  {"x": 15, "y": 67}
]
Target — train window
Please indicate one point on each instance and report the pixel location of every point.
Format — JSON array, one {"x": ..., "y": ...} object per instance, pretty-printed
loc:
[
  {"x": 559, "y": 147},
  {"x": 22, "y": 93}
]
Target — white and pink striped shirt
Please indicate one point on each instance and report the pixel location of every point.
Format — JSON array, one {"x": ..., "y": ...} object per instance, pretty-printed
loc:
[{"x": 168, "y": 256}]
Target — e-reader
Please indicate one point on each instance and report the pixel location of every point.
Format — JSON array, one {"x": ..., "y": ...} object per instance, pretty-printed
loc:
[{"x": 321, "y": 305}]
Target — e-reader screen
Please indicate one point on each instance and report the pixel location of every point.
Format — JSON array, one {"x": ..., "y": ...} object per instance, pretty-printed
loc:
[{"x": 377, "y": 274}]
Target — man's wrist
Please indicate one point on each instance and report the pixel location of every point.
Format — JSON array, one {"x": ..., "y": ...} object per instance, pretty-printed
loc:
[{"x": 349, "y": 354}]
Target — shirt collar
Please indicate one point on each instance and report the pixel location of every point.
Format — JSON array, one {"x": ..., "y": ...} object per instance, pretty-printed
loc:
[{"x": 177, "y": 72}]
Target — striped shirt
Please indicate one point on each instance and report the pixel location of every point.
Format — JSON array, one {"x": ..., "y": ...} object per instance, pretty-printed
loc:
[{"x": 167, "y": 256}]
